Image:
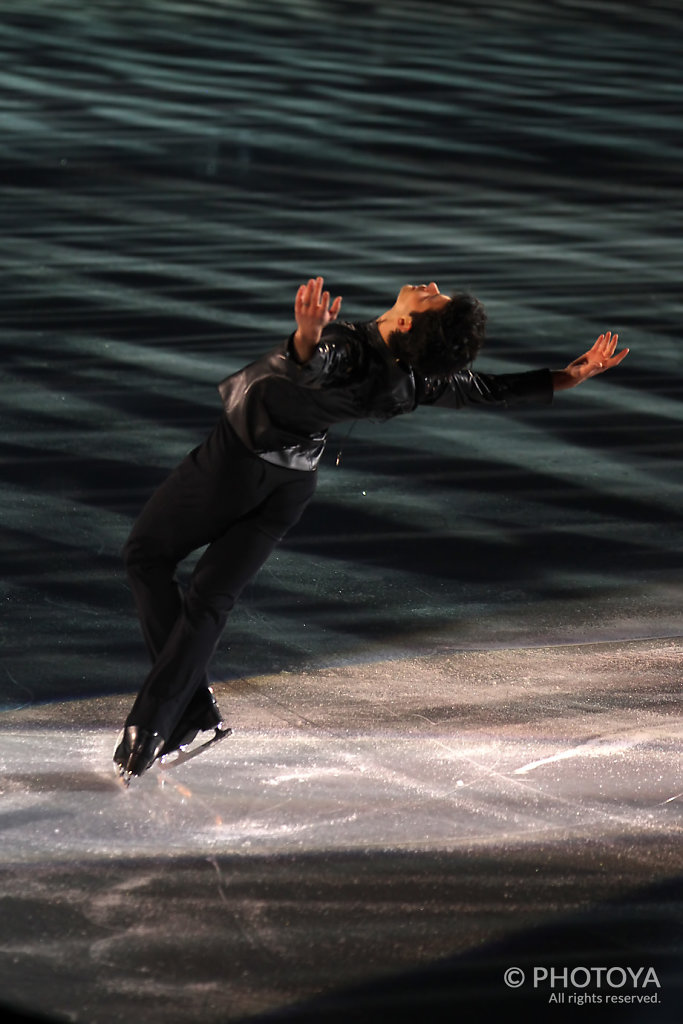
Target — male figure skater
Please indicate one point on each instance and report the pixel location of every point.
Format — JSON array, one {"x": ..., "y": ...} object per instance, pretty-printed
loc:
[{"x": 249, "y": 482}]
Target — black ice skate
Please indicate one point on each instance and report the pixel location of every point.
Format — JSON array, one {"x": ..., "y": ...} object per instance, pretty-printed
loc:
[
  {"x": 136, "y": 751},
  {"x": 202, "y": 715}
]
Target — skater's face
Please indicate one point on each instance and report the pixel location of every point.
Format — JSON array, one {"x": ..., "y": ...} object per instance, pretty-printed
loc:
[{"x": 418, "y": 298}]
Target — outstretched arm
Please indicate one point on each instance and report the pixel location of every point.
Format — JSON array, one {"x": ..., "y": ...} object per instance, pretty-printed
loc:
[
  {"x": 596, "y": 360},
  {"x": 312, "y": 311}
]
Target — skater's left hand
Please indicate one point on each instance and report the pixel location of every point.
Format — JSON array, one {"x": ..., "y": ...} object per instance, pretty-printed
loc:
[{"x": 596, "y": 360}]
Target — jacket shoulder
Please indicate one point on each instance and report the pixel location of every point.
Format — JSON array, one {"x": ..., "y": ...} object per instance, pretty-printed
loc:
[{"x": 340, "y": 356}]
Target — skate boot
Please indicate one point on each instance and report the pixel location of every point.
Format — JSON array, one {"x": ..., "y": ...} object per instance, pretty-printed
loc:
[
  {"x": 202, "y": 715},
  {"x": 136, "y": 751}
]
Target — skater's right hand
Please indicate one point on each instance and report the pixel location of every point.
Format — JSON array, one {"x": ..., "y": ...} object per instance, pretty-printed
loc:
[{"x": 312, "y": 311}]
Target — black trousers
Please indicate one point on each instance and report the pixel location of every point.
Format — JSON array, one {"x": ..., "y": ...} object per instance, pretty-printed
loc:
[{"x": 222, "y": 495}]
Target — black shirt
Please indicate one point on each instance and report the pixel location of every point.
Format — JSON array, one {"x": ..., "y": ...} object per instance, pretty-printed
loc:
[{"x": 281, "y": 409}]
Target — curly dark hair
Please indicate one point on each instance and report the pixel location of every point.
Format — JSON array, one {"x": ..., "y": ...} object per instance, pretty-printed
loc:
[{"x": 442, "y": 341}]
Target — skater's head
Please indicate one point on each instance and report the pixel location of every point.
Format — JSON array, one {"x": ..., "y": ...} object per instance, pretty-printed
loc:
[{"x": 434, "y": 333}]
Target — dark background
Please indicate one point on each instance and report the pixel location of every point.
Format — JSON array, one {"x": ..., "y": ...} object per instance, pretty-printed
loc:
[{"x": 171, "y": 172}]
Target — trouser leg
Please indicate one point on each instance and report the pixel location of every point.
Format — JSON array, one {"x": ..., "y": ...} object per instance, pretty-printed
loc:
[
  {"x": 159, "y": 603},
  {"x": 242, "y": 507},
  {"x": 168, "y": 528},
  {"x": 157, "y": 595},
  {"x": 219, "y": 578}
]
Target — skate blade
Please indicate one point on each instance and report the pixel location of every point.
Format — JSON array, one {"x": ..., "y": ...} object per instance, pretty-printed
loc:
[
  {"x": 122, "y": 776},
  {"x": 176, "y": 757}
]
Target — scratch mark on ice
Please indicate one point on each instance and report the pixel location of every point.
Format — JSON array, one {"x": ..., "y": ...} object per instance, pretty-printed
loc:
[{"x": 598, "y": 747}]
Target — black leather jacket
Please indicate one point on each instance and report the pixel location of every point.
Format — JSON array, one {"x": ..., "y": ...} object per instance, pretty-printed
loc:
[{"x": 281, "y": 409}]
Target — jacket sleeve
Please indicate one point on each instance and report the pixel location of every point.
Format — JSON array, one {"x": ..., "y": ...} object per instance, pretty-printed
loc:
[
  {"x": 501, "y": 390},
  {"x": 337, "y": 358}
]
